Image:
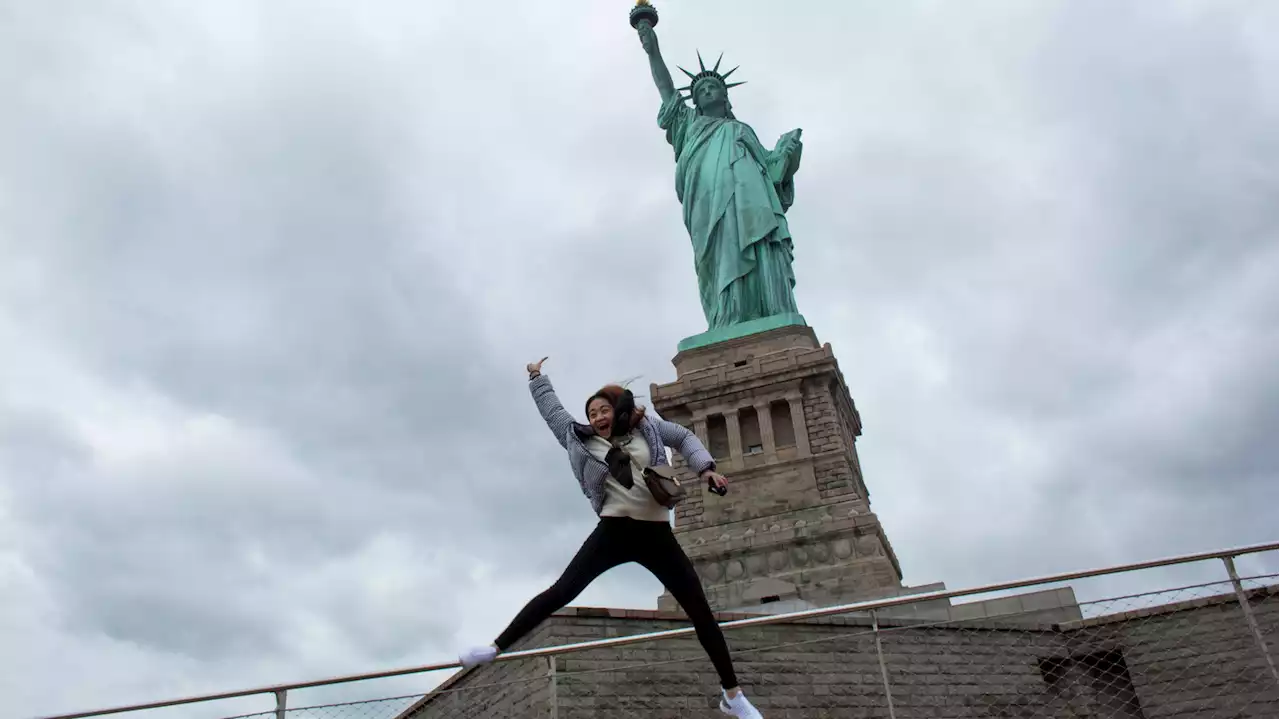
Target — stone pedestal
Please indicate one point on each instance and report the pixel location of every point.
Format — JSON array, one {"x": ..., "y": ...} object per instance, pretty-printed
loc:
[{"x": 796, "y": 526}]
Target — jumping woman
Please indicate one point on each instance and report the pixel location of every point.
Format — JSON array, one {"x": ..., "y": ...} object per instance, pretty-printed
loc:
[{"x": 609, "y": 456}]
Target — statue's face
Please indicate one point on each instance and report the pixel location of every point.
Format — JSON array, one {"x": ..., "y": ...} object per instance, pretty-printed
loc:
[{"x": 709, "y": 94}]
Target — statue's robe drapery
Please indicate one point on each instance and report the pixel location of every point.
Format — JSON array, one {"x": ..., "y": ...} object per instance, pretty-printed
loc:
[{"x": 735, "y": 195}]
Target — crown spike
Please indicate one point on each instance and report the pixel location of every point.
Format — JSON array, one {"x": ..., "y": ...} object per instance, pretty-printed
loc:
[
  {"x": 701, "y": 65},
  {"x": 717, "y": 67},
  {"x": 734, "y": 84},
  {"x": 727, "y": 74},
  {"x": 691, "y": 75}
]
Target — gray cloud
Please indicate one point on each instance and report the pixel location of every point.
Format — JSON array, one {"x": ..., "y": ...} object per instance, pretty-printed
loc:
[{"x": 271, "y": 275}]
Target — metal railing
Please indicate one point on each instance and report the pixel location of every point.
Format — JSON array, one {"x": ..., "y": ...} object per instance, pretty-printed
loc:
[{"x": 881, "y": 627}]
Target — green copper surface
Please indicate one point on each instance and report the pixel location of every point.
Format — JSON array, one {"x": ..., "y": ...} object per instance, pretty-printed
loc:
[
  {"x": 742, "y": 329},
  {"x": 734, "y": 192}
]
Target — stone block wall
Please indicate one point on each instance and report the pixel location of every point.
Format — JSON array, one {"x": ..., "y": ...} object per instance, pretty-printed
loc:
[{"x": 1190, "y": 659}]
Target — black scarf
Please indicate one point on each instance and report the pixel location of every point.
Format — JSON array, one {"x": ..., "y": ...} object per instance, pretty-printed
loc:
[{"x": 619, "y": 460}]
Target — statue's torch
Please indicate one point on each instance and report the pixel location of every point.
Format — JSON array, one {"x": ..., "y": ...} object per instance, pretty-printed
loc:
[{"x": 644, "y": 13}]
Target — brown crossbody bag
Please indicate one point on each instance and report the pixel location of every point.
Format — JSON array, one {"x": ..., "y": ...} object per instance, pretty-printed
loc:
[{"x": 664, "y": 485}]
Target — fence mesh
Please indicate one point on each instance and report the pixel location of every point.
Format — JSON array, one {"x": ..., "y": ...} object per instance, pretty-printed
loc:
[
  {"x": 372, "y": 709},
  {"x": 1186, "y": 652}
]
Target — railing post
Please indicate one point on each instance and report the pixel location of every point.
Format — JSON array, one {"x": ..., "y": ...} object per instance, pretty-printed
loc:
[
  {"x": 1248, "y": 614},
  {"x": 282, "y": 702},
  {"x": 551, "y": 676},
  {"x": 884, "y": 670}
]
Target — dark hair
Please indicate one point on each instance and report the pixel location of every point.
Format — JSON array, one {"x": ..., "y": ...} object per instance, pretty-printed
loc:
[{"x": 622, "y": 402}]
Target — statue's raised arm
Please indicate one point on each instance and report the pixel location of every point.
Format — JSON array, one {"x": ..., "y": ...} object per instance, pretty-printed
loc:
[{"x": 643, "y": 18}]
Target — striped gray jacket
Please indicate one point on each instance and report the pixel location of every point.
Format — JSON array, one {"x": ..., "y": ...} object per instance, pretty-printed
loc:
[{"x": 591, "y": 472}]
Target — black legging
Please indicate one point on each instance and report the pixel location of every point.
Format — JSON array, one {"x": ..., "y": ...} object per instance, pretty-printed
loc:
[{"x": 615, "y": 541}]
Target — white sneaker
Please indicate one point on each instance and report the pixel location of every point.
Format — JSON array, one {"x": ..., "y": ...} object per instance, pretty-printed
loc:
[
  {"x": 477, "y": 656},
  {"x": 738, "y": 706}
]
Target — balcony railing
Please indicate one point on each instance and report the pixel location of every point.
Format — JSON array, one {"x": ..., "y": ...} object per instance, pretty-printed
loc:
[{"x": 1202, "y": 649}]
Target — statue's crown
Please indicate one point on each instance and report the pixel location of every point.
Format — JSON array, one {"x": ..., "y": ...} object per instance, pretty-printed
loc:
[{"x": 705, "y": 74}]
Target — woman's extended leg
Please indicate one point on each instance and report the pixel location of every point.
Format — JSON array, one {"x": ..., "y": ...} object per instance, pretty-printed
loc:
[
  {"x": 600, "y": 553},
  {"x": 663, "y": 556}
]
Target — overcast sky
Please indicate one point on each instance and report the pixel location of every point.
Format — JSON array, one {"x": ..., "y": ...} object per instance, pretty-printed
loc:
[{"x": 269, "y": 279}]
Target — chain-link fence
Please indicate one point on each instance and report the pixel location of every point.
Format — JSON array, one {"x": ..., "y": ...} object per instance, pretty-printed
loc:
[
  {"x": 373, "y": 709},
  {"x": 1186, "y": 652},
  {"x": 1191, "y": 651}
]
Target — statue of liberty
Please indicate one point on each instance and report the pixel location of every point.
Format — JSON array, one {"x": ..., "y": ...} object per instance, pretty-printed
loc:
[{"x": 735, "y": 193}]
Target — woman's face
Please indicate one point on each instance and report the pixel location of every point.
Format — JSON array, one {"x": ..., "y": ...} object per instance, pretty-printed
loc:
[{"x": 600, "y": 415}]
